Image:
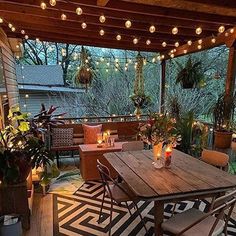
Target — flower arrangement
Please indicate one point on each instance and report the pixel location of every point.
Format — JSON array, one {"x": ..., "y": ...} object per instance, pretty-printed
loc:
[{"x": 160, "y": 128}]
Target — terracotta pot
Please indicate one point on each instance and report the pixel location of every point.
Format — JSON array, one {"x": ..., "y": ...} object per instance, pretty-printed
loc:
[{"x": 222, "y": 139}]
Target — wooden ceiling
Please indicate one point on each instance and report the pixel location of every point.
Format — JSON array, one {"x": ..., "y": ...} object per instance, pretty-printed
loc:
[{"x": 163, "y": 14}]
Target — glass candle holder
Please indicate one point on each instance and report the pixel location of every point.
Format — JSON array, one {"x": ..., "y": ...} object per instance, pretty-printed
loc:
[
  {"x": 99, "y": 139},
  {"x": 168, "y": 153}
]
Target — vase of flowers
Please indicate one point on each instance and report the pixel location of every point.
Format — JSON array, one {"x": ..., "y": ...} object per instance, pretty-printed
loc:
[{"x": 159, "y": 130}]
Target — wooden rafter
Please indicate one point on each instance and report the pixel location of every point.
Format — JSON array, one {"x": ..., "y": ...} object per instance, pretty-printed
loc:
[
  {"x": 102, "y": 2},
  {"x": 190, "y": 6}
]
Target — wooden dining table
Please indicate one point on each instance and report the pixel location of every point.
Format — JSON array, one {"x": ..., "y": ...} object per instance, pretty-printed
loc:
[{"x": 188, "y": 178}]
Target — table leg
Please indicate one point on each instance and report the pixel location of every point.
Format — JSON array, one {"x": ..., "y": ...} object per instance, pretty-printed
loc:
[{"x": 158, "y": 217}]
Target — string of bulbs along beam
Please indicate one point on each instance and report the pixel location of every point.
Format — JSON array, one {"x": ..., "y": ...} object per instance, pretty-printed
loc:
[{"x": 128, "y": 24}]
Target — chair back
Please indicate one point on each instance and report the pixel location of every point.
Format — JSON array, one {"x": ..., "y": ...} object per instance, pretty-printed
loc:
[
  {"x": 132, "y": 146},
  {"x": 218, "y": 159}
]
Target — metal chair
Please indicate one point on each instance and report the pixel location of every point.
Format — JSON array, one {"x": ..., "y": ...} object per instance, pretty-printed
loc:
[
  {"x": 194, "y": 222},
  {"x": 117, "y": 192},
  {"x": 217, "y": 159},
  {"x": 132, "y": 146}
]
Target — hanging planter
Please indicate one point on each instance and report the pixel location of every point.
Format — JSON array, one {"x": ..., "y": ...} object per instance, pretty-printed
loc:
[
  {"x": 190, "y": 76},
  {"x": 139, "y": 98},
  {"x": 84, "y": 75}
]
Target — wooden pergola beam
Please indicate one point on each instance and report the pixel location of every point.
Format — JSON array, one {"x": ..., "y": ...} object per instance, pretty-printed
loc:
[
  {"x": 189, "y": 6},
  {"x": 102, "y": 3}
]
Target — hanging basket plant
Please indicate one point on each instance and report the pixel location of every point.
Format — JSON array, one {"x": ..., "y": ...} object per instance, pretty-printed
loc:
[
  {"x": 139, "y": 98},
  {"x": 84, "y": 75},
  {"x": 190, "y": 75}
]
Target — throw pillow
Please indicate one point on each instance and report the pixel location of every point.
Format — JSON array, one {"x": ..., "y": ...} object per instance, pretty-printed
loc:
[{"x": 90, "y": 133}]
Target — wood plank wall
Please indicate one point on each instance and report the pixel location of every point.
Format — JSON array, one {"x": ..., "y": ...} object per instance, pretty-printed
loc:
[{"x": 9, "y": 70}]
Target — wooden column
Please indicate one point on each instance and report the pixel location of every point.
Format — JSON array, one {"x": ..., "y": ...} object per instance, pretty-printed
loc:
[
  {"x": 162, "y": 86},
  {"x": 231, "y": 71}
]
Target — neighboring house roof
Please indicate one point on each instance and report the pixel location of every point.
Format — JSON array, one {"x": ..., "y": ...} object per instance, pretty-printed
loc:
[{"x": 42, "y": 78}]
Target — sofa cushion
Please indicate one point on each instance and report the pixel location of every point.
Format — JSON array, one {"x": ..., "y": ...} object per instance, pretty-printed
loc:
[{"x": 90, "y": 133}]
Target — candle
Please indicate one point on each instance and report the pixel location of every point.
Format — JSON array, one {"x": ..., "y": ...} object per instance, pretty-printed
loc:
[{"x": 168, "y": 152}]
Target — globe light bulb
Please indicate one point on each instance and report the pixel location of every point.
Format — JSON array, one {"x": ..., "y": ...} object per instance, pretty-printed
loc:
[
  {"x": 198, "y": 30},
  {"x": 152, "y": 29},
  {"x": 231, "y": 30},
  {"x": 164, "y": 44},
  {"x": 53, "y": 3},
  {"x": 185, "y": 51},
  {"x": 221, "y": 29},
  {"x": 22, "y": 32},
  {"x": 148, "y": 42},
  {"x": 102, "y": 18},
  {"x": 63, "y": 16},
  {"x": 26, "y": 37},
  {"x": 128, "y": 24},
  {"x": 199, "y": 41},
  {"x": 1, "y": 20},
  {"x": 135, "y": 40},
  {"x": 101, "y": 32},
  {"x": 177, "y": 44},
  {"x": 79, "y": 11},
  {"x": 43, "y": 5},
  {"x": 213, "y": 40},
  {"x": 118, "y": 37},
  {"x": 175, "y": 30},
  {"x": 189, "y": 42},
  {"x": 84, "y": 25},
  {"x": 10, "y": 25},
  {"x": 13, "y": 29},
  {"x": 199, "y": 47}
]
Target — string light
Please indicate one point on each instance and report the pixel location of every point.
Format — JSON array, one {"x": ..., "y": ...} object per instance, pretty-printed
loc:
[
  {"x": 199, "y": 47},
  {"x": 22, "y": 32},
  {"x": 153, "y": 59},
  {"x": 226, "y": 34},
  {"x": 189, "y": 42},
  {"x": 148, "y": 41},
  {"x": 79, "y": 11},
  {"x": 43, "y": 5},
  {"x": 200, "y": 41},
  {"x": 107, "y": 70},
  {"x": 162, "y": 57},
  {"x": 135, "y": 41},
  {"x": 185, "y": 51},
  {"x": 1, "y": 20},
  {"x": 213, "y": 40},
  {"x": 231, "y": 30},
  {"x": 53, "y": 3},
  {"x": 198, "y": 30},
  {"x": 175, "y": 30},
  {"x": 116, "y": 60},
  {"x": 63, "y": 16},
  {"x": 152, "y": 29},
  {"x": 84, "y": 25},
  {"x": 130, "y": 61},
  {"x": 101, "y": 32},
  {"x": 26, "y": 95},
  {"x": 172, "y": 55},
  {"x": 10, "y": 25},
  {"x": 26, "y": 37},
  {"x": 164, "y": 44},
  {"x": 118, "y": 37},
  {"x": 128, "y": 24},
  {"x": 13, "y": 29},
  {"x": 177, "y": 44},
  {"x": 221, "y": 29},
  {"x": 102, "y": 18}
]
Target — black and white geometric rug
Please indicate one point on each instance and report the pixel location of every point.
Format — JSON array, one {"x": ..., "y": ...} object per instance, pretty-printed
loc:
[{"x": 77, "y": 215}]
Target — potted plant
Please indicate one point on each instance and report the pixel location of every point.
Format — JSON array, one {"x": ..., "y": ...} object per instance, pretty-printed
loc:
[
  {"x": 190, "y": 75},
  {"x": 20, "y": 149},
  {"x": 158, "y": 130},
  {"x": 223, "y": 113}
]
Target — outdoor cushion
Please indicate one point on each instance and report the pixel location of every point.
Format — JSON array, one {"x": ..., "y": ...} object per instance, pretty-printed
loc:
[
  {"x": 90, "y": 133},
  {"x": 62, "y": 137},
  {"x": 180, "y": 221}
]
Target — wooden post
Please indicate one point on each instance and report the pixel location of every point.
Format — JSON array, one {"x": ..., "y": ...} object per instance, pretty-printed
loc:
[
  {"x": 162, "y": 86},
  {"x": 231, "y": 71}
]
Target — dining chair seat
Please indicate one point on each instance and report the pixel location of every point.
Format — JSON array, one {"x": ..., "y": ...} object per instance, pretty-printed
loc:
[
  {"x": 180, "y": 221},
  {"x": 120, "y": 192}
]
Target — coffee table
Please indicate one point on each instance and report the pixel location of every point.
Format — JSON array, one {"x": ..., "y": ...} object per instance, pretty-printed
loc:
[{"x": 89, "y": 153}]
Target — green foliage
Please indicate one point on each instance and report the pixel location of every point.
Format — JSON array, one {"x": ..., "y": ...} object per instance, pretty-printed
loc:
[{"x": 190, "y": 75}]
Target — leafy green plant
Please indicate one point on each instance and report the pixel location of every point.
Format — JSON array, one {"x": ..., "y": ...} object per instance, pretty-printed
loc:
[
  {"x": 190, "y": 75},
  {"x": 20, "y": 148}
]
